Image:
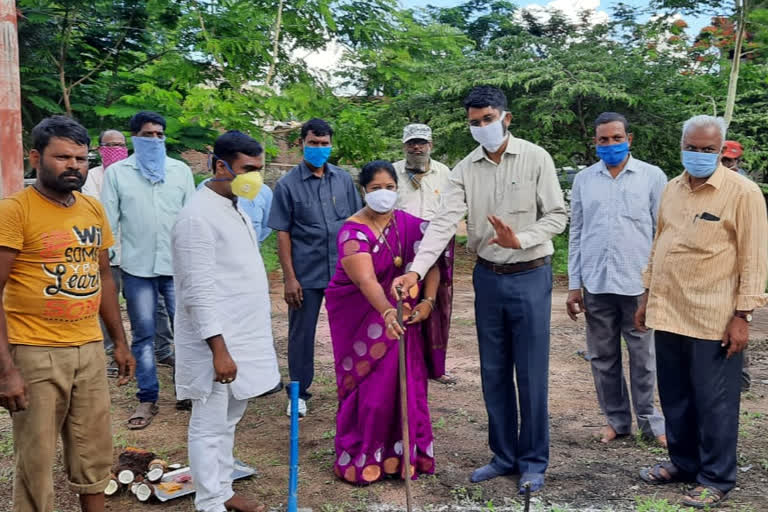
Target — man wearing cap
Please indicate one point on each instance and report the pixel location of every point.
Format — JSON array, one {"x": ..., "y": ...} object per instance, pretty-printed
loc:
[
  {"x": 422, "y": 181},
  {"x": 732, "y": 152},
  {"x": 422, "y": 177}
]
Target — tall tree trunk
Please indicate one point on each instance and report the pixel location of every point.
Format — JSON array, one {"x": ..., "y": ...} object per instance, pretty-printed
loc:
[
  {"x": 742, "y": 8},
  {"x": 275, "y": 44}
]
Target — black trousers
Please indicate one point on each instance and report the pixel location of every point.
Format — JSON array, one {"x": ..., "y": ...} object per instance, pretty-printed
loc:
[
  {"x": 699, "y": 390},
  {"x": 302, "y": 324}
]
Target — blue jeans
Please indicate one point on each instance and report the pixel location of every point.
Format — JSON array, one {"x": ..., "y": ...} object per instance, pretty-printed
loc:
[
  {"x": 513, "y": 315},
  {"x": 163, "y": 336},
  {"x": 142, "y": 297}
]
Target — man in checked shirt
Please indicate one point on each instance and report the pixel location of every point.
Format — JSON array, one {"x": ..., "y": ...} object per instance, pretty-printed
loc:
[
  {"x": 706, "y": 273},
  {"x": 613, "y": 218}
]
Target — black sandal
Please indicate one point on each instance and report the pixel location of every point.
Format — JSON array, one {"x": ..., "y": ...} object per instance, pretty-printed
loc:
[{"x": 654, "y": 476}]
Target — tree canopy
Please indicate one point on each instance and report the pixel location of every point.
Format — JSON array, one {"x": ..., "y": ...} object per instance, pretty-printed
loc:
[{"x": 209, "y": 65}]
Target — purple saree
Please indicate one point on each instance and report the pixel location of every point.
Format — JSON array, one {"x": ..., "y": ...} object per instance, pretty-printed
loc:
[{"x": 368, "y": 423}]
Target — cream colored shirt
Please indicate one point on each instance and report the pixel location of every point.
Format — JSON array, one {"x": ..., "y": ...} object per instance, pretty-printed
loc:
[
  {"x": 422, "y": 202},
  {"x": 523, "y": 190},
  {"x": 710, "y": 255}
]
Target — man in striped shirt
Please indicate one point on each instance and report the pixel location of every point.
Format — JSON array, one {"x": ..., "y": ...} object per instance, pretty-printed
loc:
[
  {"x": 613, "y": 219},
  {"x": 706, "y": 273}
]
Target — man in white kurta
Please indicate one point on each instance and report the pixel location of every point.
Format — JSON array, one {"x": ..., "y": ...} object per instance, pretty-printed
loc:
[{"x": 222, "y": 321}]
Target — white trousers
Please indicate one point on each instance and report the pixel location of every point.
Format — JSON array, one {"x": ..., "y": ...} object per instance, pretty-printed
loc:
[{"x": 211, "y": 440}]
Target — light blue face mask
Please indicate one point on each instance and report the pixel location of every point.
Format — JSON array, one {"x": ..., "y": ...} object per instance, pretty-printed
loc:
[
  {"x": 700, "y": 165},
  {"x": 150, "y": 157},
  {"x": 316, "y": 156}
]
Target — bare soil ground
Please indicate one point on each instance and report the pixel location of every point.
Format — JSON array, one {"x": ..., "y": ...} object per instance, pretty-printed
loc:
[{"x": 584, "y": 474}]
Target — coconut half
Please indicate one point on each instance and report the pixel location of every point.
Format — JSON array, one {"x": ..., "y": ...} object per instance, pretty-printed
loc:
[
  {"x": 112, "y": 487},
  {"x": 144, "y": 491},
  {"x": 125, "y": 477}
]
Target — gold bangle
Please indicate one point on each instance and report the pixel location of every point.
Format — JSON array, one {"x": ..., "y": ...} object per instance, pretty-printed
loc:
[
  {"x": 431, "y": 303},
  {"x": 388, "y": 311}
]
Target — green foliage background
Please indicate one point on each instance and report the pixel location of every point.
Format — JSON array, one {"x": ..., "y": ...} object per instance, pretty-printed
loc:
[{"x": 204, "y": 65}]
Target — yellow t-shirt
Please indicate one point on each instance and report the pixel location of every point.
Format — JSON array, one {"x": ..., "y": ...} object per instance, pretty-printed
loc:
[{"x": 53, "y": 294}]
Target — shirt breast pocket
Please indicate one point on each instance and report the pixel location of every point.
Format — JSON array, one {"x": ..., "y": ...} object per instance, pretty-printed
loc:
[
  {"x": 307, "y": 213},
  {"x": 704, "y": 234},
  {"x": 521, "y": 198},
  {"x": 635, "y": 206}
]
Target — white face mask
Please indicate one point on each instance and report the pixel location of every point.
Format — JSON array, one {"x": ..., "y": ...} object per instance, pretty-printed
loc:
[
  {"x": 490, "y": 136},
  {"x": 381, "y": 201}
]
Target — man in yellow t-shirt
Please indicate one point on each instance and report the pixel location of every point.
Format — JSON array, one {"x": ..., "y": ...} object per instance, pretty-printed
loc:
[{"x": 53, "y": 268}]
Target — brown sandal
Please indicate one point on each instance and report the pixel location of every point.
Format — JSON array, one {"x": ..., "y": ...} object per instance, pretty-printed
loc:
[
  {"x": 146, "y": 412},
  {"x": 704, "y": 496}
]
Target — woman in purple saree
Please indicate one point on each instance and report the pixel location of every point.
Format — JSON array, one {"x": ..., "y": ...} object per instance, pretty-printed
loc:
[{"x": 376, "y": 245}]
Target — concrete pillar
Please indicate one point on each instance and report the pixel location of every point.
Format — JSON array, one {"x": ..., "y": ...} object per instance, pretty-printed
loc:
[{"x": 11, "y": 149}]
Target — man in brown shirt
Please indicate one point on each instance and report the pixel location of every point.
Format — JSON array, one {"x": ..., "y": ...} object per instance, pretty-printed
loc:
[{"x": 707, "y": 272}]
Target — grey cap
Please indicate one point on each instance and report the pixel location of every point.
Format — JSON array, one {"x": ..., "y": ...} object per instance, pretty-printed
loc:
[{"x": 417, "y": 131}]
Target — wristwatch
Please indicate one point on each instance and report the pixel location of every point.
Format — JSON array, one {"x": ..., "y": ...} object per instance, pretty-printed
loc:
[{"x": 746, "y": 315}]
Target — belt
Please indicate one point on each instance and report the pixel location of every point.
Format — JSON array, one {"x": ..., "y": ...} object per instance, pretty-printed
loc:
[{"x": 513, "y": 268}]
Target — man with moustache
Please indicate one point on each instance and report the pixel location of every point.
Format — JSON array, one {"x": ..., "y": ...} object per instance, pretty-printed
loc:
[
  {"x": 112, "y": 149},
  {"x": 54, "y": 282},
  {"x": 422, "y": 180},
  {"x": 142, "y": 196}
]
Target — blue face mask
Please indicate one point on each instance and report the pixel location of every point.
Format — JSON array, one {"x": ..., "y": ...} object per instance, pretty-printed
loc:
[
  {"x": 700, "y": 165},
  {"x": 317, "y": 156},
  {"x": 614, "y": 154},
  {"x": 150, "y": 157}
]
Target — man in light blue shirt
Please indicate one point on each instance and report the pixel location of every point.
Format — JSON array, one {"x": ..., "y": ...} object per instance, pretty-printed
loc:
[
  {"x": 142, "y": 196},
  {"x": 614, "y": 207},
  {"x": 257, "y": 210}
]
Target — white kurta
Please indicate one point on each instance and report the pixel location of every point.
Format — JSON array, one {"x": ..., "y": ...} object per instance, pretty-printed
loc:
[{"x": 221, "y": 288}]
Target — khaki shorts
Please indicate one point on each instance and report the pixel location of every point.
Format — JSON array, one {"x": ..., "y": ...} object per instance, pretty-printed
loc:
[{"x": 68, "y": 394}]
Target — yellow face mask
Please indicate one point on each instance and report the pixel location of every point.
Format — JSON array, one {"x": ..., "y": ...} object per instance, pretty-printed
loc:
[{"x": 247, "y": 185}]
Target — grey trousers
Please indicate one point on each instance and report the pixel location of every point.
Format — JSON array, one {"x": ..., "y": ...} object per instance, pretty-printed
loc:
[{"x": 610, "y": 317}]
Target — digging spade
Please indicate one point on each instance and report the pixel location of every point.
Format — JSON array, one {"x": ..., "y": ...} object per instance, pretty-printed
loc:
[{"x": 404, "y": 402}]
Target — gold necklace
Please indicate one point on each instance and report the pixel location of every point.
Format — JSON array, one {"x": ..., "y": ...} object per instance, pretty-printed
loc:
[{"x": 397, "y": 260}]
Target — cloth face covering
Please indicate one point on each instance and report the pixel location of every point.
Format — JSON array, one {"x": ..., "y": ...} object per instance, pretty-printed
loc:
[
  {"x": 490, "y": 136},
  {"x": 150, "y": 157},
  {"x": 382, "y": 200},
  {"x": 112, "y": 154},
  {"x": 317, "y": 156},
  {"x": 613, "y": 154},
  {"x": 700, "y": 165}
]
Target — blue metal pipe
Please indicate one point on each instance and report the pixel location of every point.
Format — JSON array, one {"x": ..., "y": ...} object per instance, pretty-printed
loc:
[{"x": 293, "y": 480}]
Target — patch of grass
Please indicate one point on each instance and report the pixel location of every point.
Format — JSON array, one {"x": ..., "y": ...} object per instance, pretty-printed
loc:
[
  {"x": 468, "y": 495},
  {"x": 329, "y": 434},
  {"x": 644, "y": 443},
  {"x": 6, "y": 444},
  {"x": 659, "y": 505},
  {"x": 461, "y": 240},
  {"x": 560, "y": 258},
  {"x": 269, "y": 253},
  {"x": 439, "y": 423},
  {"x": 748, "y": 422}
]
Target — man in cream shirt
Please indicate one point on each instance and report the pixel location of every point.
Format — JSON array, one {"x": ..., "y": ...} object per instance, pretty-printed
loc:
[
  {"x": 510, "y": 191},
  {"x": 422, "y": 179}
]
